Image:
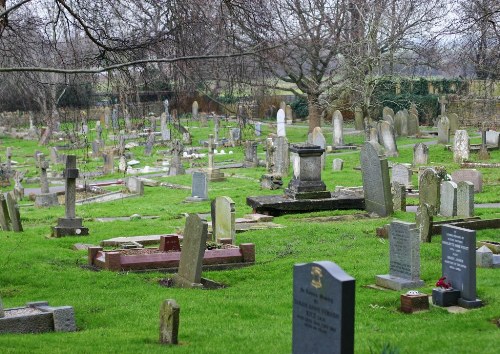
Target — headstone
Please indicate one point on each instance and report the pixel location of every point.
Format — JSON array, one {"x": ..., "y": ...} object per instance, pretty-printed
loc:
[
  {"x": 388, "y": 139},
  {"x": 194, "y": 110},
  {"x": 387, "y": 111},
  {"x": 400, "y": 124},
  {"x": 70, "y": 225},
  {"x": 404, "y": 258},
  {"x": 319, "y": 140},
  {"x": 165, "y": 109},
  {"x": 376, "y": 183},
  {"x": 225, "y": 218},
  {"x": 8, "y": 155},
  {"x": 430, "y": 190},
  {"x": 107, "y": 115},
  {"x": 461, "y": 146},
  {"x": 114, "y": 119},
  {"x": 420, "y": 154},
  {"x": 338, "y": 129},
  {"x": 413, "y": 128},
  {"x": 122, "y": 164},
  {"x": 443, "y": 101},
  {"x": 176, "y": 166},
  {"x": 280, "y": 121},
  {"x": 337, "y": 165},
  {"x": 471, "y": 175},
  {"x": 199, "y": 187},
  {"x": 459, "y": 263},
  {"x": 323, "y": 309},
  {"x": 4, "y": 214},
  {"x": 135, "y": 185},
  {"x": 288, "y": 114},
  {"x": 484, "y": 257},
  {"x": 465, "y": 199},
  {"x": 258, "y": 130},
  {"x": 98, "y": 130},
  {"x": 448, "y": 201},
  {"x": 109, "y": 160},
  {"x": 402, "y": 174},
  {"x": 235, "y": 135},
  {"x": 15, "y": 217},
  {"x": 193, "y": 250},
  {"x": 492, "y": 138},
  {"x": 169, "y": 322},
  {"x": 53, "y": 155},
  {"x": 96, "y": 148},
  {"x": 398, "y": 196},
  {"x": 152, "y": 122},
  {"x": 443, "y": 130},
  {"x": 251, "y": 158},
  {"x": 45, "y": 198},
  {"x": 424, "y": 218},
  {"x": 358, "y": 119},
  {"x": 281, "y": 156},
  {"x": 149, "y": 144},
  {"x": 453, "y": 119}
]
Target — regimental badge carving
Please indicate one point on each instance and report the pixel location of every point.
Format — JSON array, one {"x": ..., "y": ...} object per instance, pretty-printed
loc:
[{"x": 316, "y": 274}]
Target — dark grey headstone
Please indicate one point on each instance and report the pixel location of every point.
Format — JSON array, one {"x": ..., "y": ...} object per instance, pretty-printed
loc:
[
  {"x": 459, "y": 262},
  {"x": 376, "y": 183},
  {"x": 323, "y": 309},
  {"x": 199, "y": 186}
]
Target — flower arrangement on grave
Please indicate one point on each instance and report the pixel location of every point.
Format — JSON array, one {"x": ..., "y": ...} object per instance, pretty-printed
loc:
[{"x": 443, "y": 285}]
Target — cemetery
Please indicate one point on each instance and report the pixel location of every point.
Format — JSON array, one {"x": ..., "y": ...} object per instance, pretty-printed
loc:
[{"x": 249, "y": 177}]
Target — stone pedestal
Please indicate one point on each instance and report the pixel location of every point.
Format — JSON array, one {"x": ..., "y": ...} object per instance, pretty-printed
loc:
[
  {"x": 414, "y": 303},
  {"x": 397, "y": 283},
  {"x": 445, "y": 298},
  {"x": 69, "y": 227},
  {"x": 46, "y": 200},
  {"x": 215, "y": 175},
  {"x": 306, "y": 182}
]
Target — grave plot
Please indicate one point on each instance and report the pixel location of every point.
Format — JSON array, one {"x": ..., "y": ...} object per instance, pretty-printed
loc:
[{"x": 167, "y": 256}]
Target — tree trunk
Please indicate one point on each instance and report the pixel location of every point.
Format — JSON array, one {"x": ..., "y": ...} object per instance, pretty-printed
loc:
[{"x": 314, "y": 111}]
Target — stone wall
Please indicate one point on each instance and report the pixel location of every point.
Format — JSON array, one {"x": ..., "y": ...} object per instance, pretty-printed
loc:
[{"x": 473, "y": 111}]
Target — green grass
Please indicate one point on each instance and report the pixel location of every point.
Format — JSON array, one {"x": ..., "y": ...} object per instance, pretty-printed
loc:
[{"x": 119, "y": 312}]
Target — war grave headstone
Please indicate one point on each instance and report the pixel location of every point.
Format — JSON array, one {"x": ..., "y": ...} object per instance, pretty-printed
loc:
[
  {"x": 465, "y": 199},
  {"x": 319, "y": 140},
  {"x": 404, "y": 263},
  {"x": 423, "y": 219},
  {"x": 470, "y": 175},
  {"x": 199, "y": 187},
  {"x": 169, "y": 322},
  {"x": 224, "y": 227},
  {"x": 193, "y": 249},
  {"x": 398, "y": 196},
  {"x": 443, "y": 130},
  {"x": 453, "y": 119},
  {"x": 45, "y": 198},
  {"x": 376, "y": 183},
  {"x": 251, "y": 158},
  {"x": 337, "y": 164},
  {"x": 323, "y": 309},
  {"x": 420, "y": 154},
  {"x": 430, "y": 190},
  {"x": 461, "y": 146},
  {"x": 280, "y": 123},
  {"x": 4, "y": 214},
  {"x": 402, "y": 174},
  {"x": 358, "y": 119},
  {"x": 458, "y": 247},
  {"x": 15, "y": 217},
  {"x": 388, "y": 138},
  {"x": 448, "y": 199},
  {"x": 338, "y": 129},
  {"x": 70, "y": 225}
]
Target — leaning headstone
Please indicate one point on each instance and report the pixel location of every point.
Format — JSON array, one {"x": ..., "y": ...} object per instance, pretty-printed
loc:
[
  {"x": 430, "y": 190},
  {"x": 376, "y": 182},
  {"x": 199, "y": 187},
  {"x": 323, "y": 309},
  {"x": 461, "y": 146},
  {"x": 319, "y": 140},
  {"x": 225, "y": 218},
  {"x": 398, "y": 196},
  {"x": 453, "y": 119},
  {"x": 402, "y": 174},
  {"x": 404, "y": 258},
  {"x": 459, "y": 263},
  {"x": 448, "y": 201},
  {"x": 423, "y": 219},
  {"x": 471, "y": 175},
  {"x": 193, "y": 249},
  {"x": 15, "y": 217},
  {"x": 169, "y": 322},
  {"x": 337, "y": 165},
  {"x": 465, "y": 199},
  {"x": 280, "y": 121},
  {"x": 4, "y": 213},
  {"x": 194, "y": 110},
  {"x": 338, "y": 129},
  {"x": 443, "y": 130},
  {"x": 388, "y": 139},
  {"x": 420, "y": 154}
]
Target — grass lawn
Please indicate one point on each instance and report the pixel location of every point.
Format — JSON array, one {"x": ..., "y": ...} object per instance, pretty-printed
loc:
[{"x": 119, "y": 312}]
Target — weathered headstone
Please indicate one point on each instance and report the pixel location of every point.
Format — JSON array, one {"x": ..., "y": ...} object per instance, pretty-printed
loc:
[
  {"x": 338, "y": 129},
  {"x": 358, "y": 119},
  {"x": 443, "y": 130},
  {"x": 323, "y": 309},
  {"x": 402, "y": 174},
  {"x": 398, "y": 196},
  {"x": 420, "y": 154},
  {"x": 465, "y": 199},
  {"x": 193, "y": 249},
  {"x": 225, "y": 218},
  {"x": 453, "y": 119},
  {"x": 109, "y": 161},
  {"x": 13, "y": 208},
  {"x": 484, "y": 257},
  {"x": 258, "y": 130},
  {"x": 461, "y": 146},
  {"x": 337, "y": 165},
  {"x": 135, "y": 185},
  {"x": 388, "y": 139},
  {"x": 280, "y": 122},
  {"x": 4, "y": 213},
  {"x": 459, "y": 263},
  {"x": 149, "y": 144},
  {"x": 169, "y": 322},
  {"x": 430, "y": 190},
  {"x": 387, "y": 111},
  {"x": 404, "y": 264},
  {"x": 413, "y": 128},
  {"x": 319, "y": 140},
  {"x": 251, "y": 158},
  {"x": 281, "y": 156},
  {"x": 114, "y": 119},
  {"x": 376, "y": 183},
  {"x": 214, "y": 174},
  {"x": 176, "y": 166},
  {"x": 470, "y": 175},
  {"x": 448, "y": 201},
  {"x": 401, "y": 124},
  {"x": 70, "y": 225},
  {"x": 199, "y": 187},
  {"x": 423, "y": 219},
  {"x": 492, "y": 138},
  {"x": 194, "y": 110},
  {"x": 45, "y": 198}
]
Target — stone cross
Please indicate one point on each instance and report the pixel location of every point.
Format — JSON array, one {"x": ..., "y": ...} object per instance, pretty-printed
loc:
[
  {"x": 443, "y": 101},
  {"x": 44, "y": 165}
]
